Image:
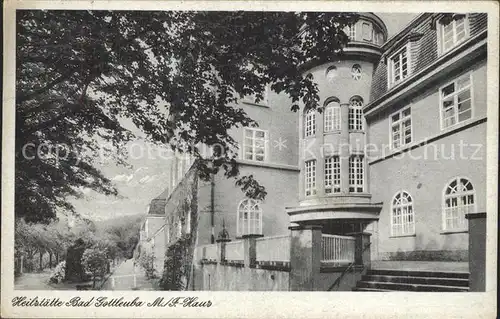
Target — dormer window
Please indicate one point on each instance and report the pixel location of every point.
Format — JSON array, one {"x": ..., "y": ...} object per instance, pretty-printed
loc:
[
  {"x": 399, "y": 66},
  {"x": 453, "y": 32}
]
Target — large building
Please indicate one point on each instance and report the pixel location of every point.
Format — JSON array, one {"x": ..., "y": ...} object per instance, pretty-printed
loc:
[{"x": 399, "y": 150}]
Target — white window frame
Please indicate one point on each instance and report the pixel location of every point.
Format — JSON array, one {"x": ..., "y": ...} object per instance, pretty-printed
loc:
[
  {"x": 350, "y": 31},
  {"x": 332, "y": 174},
  {"x": 254, "y": 140},
  {"x": 455, "y": 101},
  {"x": 356, "y": 173},
  {"x": 399, "y": 123},
  {"x": 355, "y": 115},
  {"x": 310, "y": 123},
  {"x": 472, "y": 208},
  {"x": 310, "y": 177},
  {"x": 252, "y": 224},
  {"x": 390, "y": 66},
  {"x": 455, "y": 42},
  {"x": 405, "y": 226},
  {"x": 332, "y": 117}
]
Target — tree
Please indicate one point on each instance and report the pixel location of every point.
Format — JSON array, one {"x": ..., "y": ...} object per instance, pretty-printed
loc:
[
  {"x": 95, "y": 261},
  {"x": 177, "y": 76}
]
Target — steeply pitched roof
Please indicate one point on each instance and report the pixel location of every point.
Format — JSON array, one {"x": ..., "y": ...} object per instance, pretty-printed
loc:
[{"x": 157, "y": 205}]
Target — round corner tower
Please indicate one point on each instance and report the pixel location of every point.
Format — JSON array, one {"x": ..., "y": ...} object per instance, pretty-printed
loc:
[{"x": 333, "y": 185}]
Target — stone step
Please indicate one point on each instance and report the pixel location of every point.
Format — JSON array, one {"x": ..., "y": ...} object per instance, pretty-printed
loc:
[
  {"x": 440, "y": 281},
  {"x": 409, "y": 287},
  {"x": 371, "y": 289},
  {"x": 417, "y": 273}
]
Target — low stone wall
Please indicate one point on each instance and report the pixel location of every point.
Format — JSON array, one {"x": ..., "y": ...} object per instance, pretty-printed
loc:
[{"x": 239, "y": 278}]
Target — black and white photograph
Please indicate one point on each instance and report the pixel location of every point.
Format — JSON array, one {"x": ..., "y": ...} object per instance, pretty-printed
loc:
[{"x": 249, "y": 150}]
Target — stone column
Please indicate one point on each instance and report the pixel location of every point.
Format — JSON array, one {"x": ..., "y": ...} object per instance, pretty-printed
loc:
[
  {"x": 305, "y": 257},
  {"x": 221, "y": 249},
  {"x": 250, "y": 256},
  {"x": 319, "y": 152},
  {"x": 344, "y": 148},
  {"x": 477, "y": 251},
  {"x": 362, "y": 254}
]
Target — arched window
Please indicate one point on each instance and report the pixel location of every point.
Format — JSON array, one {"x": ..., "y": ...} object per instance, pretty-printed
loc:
[
  {"x": 332, "y": 116},
  {"x": 331, "y": 73},
  {"x": 249, "y": 218},
  {"x": 356, "y": 72},
  {"x": 356, "y": 114},
  {"x": 402, "y": 215},
  {"x": 458, "y": 200},
  {"x": 310, "y": 123}
]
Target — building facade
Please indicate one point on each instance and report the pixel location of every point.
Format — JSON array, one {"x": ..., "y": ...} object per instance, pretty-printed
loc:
[{"x": 398, "y": 151}]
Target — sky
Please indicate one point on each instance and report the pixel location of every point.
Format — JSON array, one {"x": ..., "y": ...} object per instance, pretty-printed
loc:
[{"x": 148, "y": 176}]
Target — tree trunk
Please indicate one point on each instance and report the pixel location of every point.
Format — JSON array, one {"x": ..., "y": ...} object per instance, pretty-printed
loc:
[
  {"x": 50, "y": 260},
  {"x": 41, "y": 259},
  {"x": 21, "y": 261},
  {"x": 57, "y": 258}
]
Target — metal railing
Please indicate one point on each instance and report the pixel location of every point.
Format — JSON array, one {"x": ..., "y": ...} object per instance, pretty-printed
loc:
[
  {"x": 348, "y": 268},
  {"x": 337, "y": 249},
  {"x": 274, "y": 248}
]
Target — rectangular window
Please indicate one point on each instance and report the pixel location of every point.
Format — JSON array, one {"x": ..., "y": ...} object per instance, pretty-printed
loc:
[
  {"x": 310, "y": 123},
  {"x": 351, "y": 32},
  {"x": 401, "y": 128},
  {"x": 356, "y": 174},
  {"x": 332, "y": 174},
  {"x": 255, "y": 144},
  {"x": 453, "y": 33},
  {"x": 367, "y": 31},
  {"x": 332, "y": 118},
  {"x": 399, "y": 66},
  {"x": 310, "y": 177},
  {"x": 456, "y": 101},
  {"x": 355, "y": 118}
]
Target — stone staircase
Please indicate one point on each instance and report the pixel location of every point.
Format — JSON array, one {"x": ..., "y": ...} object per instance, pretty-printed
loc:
[{"x": 409, "y": 280}]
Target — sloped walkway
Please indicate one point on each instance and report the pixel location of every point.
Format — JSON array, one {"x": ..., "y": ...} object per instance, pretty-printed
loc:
[
  {"x": 421, "y": 265},
  {"x": 128, "y": 277}
]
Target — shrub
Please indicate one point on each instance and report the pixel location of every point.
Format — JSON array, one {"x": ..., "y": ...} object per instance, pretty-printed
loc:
[
  {"x": 176, "y": 265},
  {"x": 146, "y": 261},
  {"x": 59, "y": 273},
  {"x": 95, "y": 261}
]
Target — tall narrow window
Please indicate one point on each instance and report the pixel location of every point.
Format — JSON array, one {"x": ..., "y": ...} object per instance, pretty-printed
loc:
[
  {"x": 402, "y": 219},
  {"x": 367, "y": 31},
  {"x": 401, "y": 128},
  {"x": 332, "y": 174},
  {"x": 310, "y": 123},
  {"x": 356, "y": 114},
  {"x": 458, "y": 200},
  {"x": 350, "y": 31},
  {"x": 456, "y": 101},
  {"x": 310, "y": 177},
  {"x": 356, "y": 174},
  {"x": 255, "y": 144},
  {"x": 249, "y": 220},
  {"x": 453, "y": 32},
  {"x": 399, "y": 66},
  {"x": 332, "y": 116}
]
